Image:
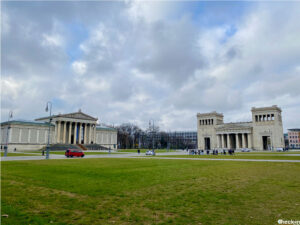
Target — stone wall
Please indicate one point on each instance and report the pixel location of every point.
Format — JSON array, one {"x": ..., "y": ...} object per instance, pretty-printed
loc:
[{"x": 107, "y": 138}]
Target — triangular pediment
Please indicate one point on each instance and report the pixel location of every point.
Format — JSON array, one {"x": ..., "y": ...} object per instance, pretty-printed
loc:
[{"x": 78, "y": 115}]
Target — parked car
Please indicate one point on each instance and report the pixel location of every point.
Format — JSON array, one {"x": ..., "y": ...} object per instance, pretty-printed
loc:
[
  {"x": 150, "y": 152},
  {"x": 74, "y": 153},
  {"x": 245, "y": 150}
]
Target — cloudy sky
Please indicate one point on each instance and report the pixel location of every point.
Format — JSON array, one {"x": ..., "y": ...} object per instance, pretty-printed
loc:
[{"x": 134, "y": 61}]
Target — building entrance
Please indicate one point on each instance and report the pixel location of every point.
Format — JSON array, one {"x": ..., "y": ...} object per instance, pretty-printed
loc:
[
  {"x": 266, "y": 142},
  {"x": 207, "y": 143}
]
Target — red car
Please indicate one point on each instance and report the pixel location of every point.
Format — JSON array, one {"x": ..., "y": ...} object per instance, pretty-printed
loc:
[{"x": 74, "y": 153}]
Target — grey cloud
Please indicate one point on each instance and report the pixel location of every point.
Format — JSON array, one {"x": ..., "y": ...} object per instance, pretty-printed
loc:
[
  {"x": 172, "y": 52},
  {"x": 148, "y": 69}
]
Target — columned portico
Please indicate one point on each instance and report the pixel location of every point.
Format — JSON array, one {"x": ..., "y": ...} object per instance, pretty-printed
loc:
[
  {"x": 234, "y": 140},
  {"x": 73, "y": 128}
]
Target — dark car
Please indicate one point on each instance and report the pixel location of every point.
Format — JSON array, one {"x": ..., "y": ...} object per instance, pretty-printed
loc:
[{"x": 74, "y": 153}]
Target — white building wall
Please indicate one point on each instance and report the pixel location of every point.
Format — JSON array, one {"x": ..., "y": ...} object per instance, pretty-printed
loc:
[
  {"x": 107, "y": 138},
  {"x": 26, "y": 137}
]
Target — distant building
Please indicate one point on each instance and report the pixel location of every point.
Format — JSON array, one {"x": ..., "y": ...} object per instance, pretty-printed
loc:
[
  {"x": 294, "y": 138},
  {"x": 264, "y": 132},
  {"x": 73, "y": 128},
  {"x": 174, "y": 139},
  {"x": 187, "y": 139}
]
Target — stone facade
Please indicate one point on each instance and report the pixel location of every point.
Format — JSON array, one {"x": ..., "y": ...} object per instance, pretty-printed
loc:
[
  {"x": 72, "y": 128},
  {"x": 264, "y": 132}
]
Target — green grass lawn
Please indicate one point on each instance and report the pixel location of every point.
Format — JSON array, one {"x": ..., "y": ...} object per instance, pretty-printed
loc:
[
  {"x": 16, "y": 154},
  {"x": 236, "y": 156},
  {"x": 149, "y": 191},
  {"x": 269, "y": 152},
  {"x": 144, "y": 150}
]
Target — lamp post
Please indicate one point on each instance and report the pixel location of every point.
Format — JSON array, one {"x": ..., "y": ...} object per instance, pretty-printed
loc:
[
  {"x": 48, "y": 108},
  {"x": 152, "y": 132},
  {"x": 10, "y": 115}
]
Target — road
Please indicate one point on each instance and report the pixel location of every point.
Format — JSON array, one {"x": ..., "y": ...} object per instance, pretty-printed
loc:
[{"x": 142, "y": 156}]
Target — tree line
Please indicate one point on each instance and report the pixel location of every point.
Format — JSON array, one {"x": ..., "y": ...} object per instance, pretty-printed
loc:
[{"x": 130, "y": 136}]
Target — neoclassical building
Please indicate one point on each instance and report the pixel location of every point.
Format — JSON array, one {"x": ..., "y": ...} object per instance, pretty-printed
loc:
[
  {"x": 264, "y": 132},
  {"x": 75, "y": 128}
]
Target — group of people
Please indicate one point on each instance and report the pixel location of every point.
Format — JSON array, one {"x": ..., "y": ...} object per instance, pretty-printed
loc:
[
  {"x": 214, "y": 152},
  {"x": 196, "y": 152}
]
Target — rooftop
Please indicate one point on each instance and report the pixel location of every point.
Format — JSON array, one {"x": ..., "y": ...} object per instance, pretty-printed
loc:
[
  {"x": 294, "y": 129},
  {"x": 26, "y": 122}
]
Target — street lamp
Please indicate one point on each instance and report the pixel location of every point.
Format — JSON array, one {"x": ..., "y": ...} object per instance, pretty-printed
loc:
[
  {"x": 10, "y": 115},
  {"x": 152, "y": 132},
  {"x": 50, "y": 119}
]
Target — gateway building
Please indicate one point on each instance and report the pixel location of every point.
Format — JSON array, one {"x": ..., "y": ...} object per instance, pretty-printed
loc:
[{"x": 264, "y": 132}]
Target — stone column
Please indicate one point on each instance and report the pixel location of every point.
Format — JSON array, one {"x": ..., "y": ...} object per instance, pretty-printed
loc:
[
  {"x": 236, "y": 141},
  {"x": 55, "y": 130},
  {"x": 64, "y": 133},
  {"x": 228, "y": 144},
  {"x": 221, "y": 141},
  {"x": 20, "y": 135},
  {"x": 37, "y": 136},
  {"x": 249, "y": 141},
  {"x": 29, "y": 135},
  {"x": 243, "y": 141},
  {"x": 85, "y": 133},
  {"x": 70, "y": 132},
  {"x": 95, "y": 134},
  {"x": 10, "y": 135},
  {"x": 80, "y": 130},
  {"x": 90, "y": 133},
  {"x": 75, "y": 133},
  {"x": 58, "y": 131}
]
